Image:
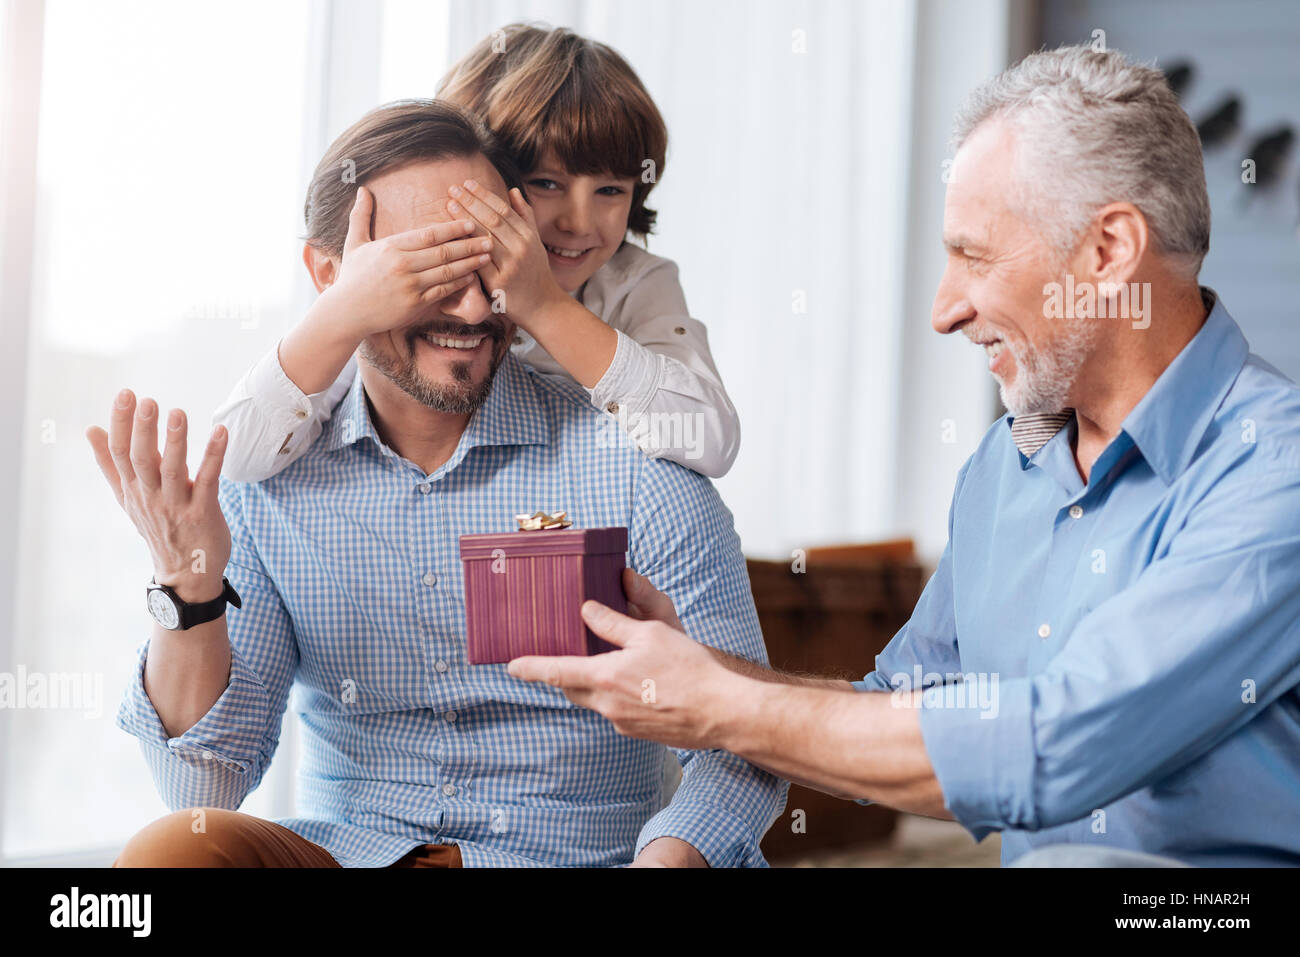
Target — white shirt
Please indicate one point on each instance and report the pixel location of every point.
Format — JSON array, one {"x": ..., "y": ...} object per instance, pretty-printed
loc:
[{"x": 661, "y": 391}]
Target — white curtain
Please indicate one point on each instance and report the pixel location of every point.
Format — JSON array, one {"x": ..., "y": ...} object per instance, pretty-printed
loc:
[{"x": 783, "y": 202}]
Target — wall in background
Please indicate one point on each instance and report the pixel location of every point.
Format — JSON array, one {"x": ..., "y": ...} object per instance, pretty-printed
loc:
[{"x": 1250, "y": 48}]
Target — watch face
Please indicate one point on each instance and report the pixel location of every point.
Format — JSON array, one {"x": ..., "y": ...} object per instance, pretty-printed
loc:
[{"x": 163, "y": 610}]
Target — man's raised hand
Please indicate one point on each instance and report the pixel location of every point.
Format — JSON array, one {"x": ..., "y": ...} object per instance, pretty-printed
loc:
[{"x": 180, "y": 520}]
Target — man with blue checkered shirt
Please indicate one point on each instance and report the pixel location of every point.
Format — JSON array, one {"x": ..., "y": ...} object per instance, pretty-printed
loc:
[{"x": 343, "y": 579}]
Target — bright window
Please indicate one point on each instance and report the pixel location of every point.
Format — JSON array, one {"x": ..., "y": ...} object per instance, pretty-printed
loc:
[
  {"x": 174, "y": 146},
  {"x": 169, "y": 197}
]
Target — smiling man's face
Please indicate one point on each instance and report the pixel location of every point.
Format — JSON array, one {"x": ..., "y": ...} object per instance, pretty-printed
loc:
[
  {"x": 446, "y": 359},
  {"x": 992, "y": 288}
]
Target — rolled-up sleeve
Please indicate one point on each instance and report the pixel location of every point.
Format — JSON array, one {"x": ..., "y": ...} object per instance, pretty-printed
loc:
[
  {"x": 663, "y": 380},
  {"x": 220, "y": 759},
  {"x": 683, "y": 540},
  {"x": 271, "y": 421},
  {"x": 1206, "y": 638},
  {"x": 722, "y": 808}
]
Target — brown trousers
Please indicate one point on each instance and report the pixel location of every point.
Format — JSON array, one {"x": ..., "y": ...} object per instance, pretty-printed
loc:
[{"x": 215, "y": 837}]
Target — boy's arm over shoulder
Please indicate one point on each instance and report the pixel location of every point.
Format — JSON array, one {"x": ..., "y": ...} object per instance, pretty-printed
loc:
[
  {"x": 663, "y": 363},
  {"x": 271, "y": 422}
]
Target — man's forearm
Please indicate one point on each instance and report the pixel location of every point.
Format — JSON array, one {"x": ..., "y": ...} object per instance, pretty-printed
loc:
[
  {"x": 185, "y": 672},
  {"x": 865, "y": 745},
  {"x": 751, "y": 669},
  {"x": 721, "y": 807}
]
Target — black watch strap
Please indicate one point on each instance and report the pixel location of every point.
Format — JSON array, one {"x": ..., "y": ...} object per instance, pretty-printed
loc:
[
  {"x": 201, "y": 612},
  {"x": 205, "y": 611}
]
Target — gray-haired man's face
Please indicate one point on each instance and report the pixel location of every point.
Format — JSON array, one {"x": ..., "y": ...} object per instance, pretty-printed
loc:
[{"x": 993, "y": 286}]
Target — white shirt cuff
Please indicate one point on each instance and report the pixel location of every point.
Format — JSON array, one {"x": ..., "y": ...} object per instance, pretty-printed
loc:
[{"x": 631, "y": 379}]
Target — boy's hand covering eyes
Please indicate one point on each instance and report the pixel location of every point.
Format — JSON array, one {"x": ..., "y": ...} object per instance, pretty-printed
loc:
[
  {"x": 391, "y": 282},
  {"x": 519, "y": 276}
]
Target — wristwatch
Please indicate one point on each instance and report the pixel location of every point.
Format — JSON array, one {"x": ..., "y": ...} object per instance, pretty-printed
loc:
[{"x": 174, "y": 614}]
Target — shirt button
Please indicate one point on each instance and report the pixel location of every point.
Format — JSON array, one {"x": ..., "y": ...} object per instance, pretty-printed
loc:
[
  {"x": 450, "y": 717},
  {"x": 680, "y": 331},
  {"x": 430, "y": 579},
  {"x": 1044, "y": 630},
  {"x": 1076, "y": 511},
  {"x": 440, "y": 665},
  {"x": 424, "y": 488},
  {"x": 612, "y": 407},
  {"x": 519, "y": 340},
  {"x": 449, "y": 790},
  {"x": 300, "y": 413}
]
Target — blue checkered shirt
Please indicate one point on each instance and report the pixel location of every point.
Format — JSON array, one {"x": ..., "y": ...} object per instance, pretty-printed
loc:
[{"x": 349, "y": 570}]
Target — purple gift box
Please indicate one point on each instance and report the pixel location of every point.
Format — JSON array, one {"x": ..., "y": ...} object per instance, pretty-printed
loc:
[{"x": 523, "y": 590}]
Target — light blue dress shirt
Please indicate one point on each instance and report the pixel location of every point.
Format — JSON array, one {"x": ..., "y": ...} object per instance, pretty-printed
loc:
[
  {"x": 349, "y": 570},
  {"x": 1130, "y": 648}
]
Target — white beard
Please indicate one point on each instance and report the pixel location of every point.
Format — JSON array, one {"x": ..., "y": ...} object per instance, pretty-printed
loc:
[{"x": 1044, "y": 379}]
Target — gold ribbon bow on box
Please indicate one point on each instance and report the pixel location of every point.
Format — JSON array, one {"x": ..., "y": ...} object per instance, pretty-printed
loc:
[{"x": 541, "y": 520}]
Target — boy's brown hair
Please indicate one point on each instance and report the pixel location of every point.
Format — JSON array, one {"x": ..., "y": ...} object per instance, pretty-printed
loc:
[
  {"x": 388, "y": 137},
  {"x": 541, "y": 89}
]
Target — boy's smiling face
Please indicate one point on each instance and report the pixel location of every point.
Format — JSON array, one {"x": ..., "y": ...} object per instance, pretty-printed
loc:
[{"x": 582, "y": 218}]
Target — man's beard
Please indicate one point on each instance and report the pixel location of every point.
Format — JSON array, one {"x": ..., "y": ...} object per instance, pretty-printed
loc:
[
  {"x": 1044, "y": 378},
  {"x": 462, "y": 397}
]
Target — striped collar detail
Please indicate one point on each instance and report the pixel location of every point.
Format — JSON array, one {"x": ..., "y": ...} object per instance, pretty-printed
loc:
[{"x": 1031, "y": 432}]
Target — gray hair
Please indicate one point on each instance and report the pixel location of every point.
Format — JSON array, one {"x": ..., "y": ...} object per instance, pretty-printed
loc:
[{"x": 1095, "y": 128}]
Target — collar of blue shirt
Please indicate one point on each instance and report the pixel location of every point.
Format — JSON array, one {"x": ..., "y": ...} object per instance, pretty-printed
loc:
[
  {"x": 1169, "y": 422},
  {"x": 510, "y": 415}
]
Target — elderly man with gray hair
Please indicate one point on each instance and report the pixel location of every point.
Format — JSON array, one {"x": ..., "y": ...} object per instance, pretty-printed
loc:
[{"x": 1105, "y": 666}]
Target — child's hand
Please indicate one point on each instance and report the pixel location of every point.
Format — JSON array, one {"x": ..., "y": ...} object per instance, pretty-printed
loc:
[
  {"x": 388, "y": 283},
  {"x": 520, "y": 267}
]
